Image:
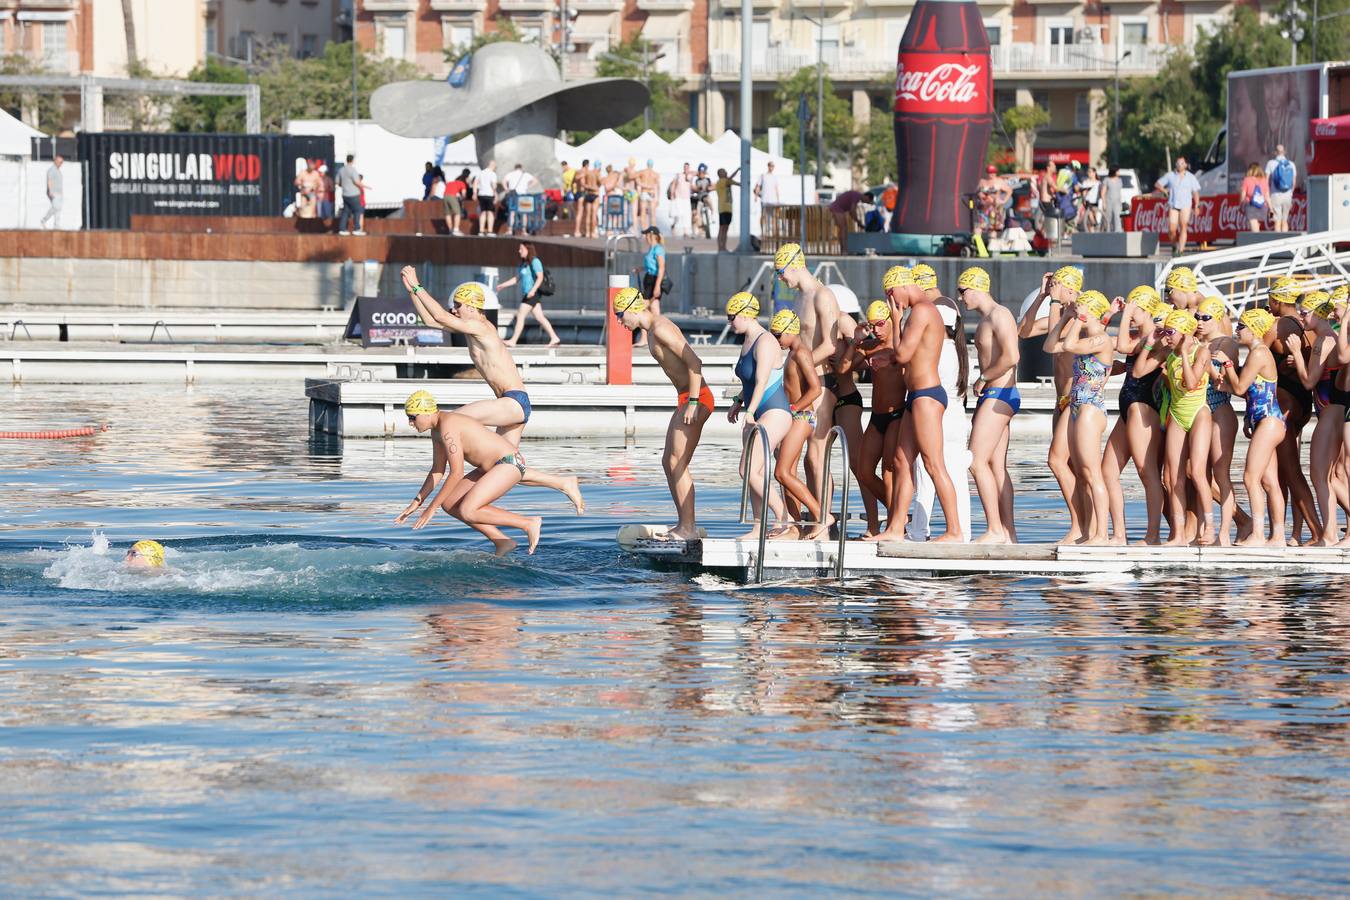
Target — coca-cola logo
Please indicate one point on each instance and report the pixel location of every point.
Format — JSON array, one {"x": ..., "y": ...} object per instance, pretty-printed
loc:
[
  {"x": 1218, "y": 218},
  {"x": 1324, "y": 129},
  {"x": 942, "y": 83}
]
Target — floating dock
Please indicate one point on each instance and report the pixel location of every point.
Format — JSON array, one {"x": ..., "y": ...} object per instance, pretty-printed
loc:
[{"x": 807, "y": 559}]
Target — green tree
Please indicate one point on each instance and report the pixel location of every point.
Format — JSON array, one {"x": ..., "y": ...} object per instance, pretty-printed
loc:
[
  {"x": 838, "y": 119},
  {"x": 668, "y": 110},
  {"x": 503, "y": 30},
  {"x": 875, "y": 143},
  {"x": 212, "y": 114},
  {"x": 50, "y": 106},
  {"x": 1024, "y": 123},
  {"x": 1170, "y": 128}
]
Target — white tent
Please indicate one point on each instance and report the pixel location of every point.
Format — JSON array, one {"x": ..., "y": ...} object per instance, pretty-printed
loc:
[{"x": 16, "y": 138}]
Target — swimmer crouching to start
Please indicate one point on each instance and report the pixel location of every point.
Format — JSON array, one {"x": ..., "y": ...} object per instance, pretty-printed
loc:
[
  {"x": 145, "y": 556},
  {"x": 455, "y": 440}
]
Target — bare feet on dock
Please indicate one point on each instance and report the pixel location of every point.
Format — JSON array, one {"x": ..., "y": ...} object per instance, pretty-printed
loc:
[
  {"x": 1073, "y": 537},
  {"x": 788, "y": 532},
  {"x": 572, "y": 488},
  {"x": 680, "y": 534},
  {"x": 950, "y": 537},
  {"x": 532, "y": 531},
  {"x": 819, "y": 532},
  {"x": 555, "y": 342},
  {"x": 503, "y": 546},
  {"x": 1256, "y": 540},
  {"x": 993, "y": 537}
]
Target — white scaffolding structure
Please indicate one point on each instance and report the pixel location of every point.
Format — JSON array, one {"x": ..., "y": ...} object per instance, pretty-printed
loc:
[
  {"x": 1242, "y": 275},
  {"x": 92, "y": 89}
]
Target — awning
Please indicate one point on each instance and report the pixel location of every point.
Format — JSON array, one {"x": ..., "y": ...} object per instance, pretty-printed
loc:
[
  {"x": 1042, "y": 155},
  {"x": 1336, "y": 128},
  {"x": 591, "y": 27},
  {"x": 666, "y": 26},
  {"x": 45, "y": 16}
]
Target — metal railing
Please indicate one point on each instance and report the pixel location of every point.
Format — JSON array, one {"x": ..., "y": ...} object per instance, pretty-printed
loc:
[
  {"x": 826, "y": 494},
  {"x": 745, "y": 492},
  {"x": 1241, "y": 275}
]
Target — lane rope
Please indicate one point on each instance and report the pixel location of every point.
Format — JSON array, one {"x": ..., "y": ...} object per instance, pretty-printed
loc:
[{"x": 89, "y": 431}]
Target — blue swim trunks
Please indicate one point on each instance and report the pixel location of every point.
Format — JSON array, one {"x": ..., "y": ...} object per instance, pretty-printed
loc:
[
  {"x": 523, "y": 399},
  {"x": 1009, "y": 395}
]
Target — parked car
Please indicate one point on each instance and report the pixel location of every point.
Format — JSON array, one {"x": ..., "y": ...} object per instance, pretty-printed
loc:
[{"x": 1129, "y": 189}]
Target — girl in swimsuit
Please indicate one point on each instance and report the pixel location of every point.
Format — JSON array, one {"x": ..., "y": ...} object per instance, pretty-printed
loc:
[
  {"x": 1313, "y": 373},
  {"x": 1265, "y": 426},
  {"x": 1213, "y": 328},
  {"x": 760, "y": 371},
  {"x": 876, "y": 352},
  {"x": 1137, "y": 434},
  {"x": 1186, "y": 445},
  {"x": 1295, "y": 400},
  {"x": 1082, "y": 332},
  {"x": 848, "y": 409},
  {"x": 803, "y": 389}
]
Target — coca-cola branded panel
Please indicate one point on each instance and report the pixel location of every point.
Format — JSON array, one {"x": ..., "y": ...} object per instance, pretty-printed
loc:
[
  {"x": 130, "y": 174},
  {"x": 944, "y": 105},
  {"x": 1219, "y": 217}
]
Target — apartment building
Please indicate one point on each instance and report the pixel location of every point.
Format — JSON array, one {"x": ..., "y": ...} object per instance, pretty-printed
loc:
[{"x": 239, "y": 29}]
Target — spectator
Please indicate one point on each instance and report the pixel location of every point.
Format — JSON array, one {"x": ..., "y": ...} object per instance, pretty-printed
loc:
[
  {"x": 987, "y": 203},
  {"x": 429, "y": 178},
  {"x": 680, "y": 191},
  {"x": 1089, "y": 192},
  {"x": 308, "y": 186},
  {"x": 485, "y": 189},
  {"x": 654, "y": 281},
  {"x": 569, "y": 175},
  {"x": 455, "y": 191},
  {"x": 649, "y": 185},
  {"x": 725, "y": 183},
  {"x": 588, "y": 196},
  {"x": 1255, "y": 196},
  {"x": 845, "y": 209},
  {"x": 702, "y": 195},
  {"x": 54, "y": 193},
  {"x": 351, "y": 184},
  {"x": 1281, "y": 174},
  {"x": 516, "y": 182},
  {"x": 1045, "y": 185},
  {"x": 1112, "y": 189},
  {"x": 530, "y": 276},
  {"x": 1183, "y": 197},
  {"x": 766, "y": 189},
  {"x": 326, "y": 193}
]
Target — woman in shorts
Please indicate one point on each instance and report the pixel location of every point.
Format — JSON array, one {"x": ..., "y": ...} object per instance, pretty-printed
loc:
[{"x": 530, "y": 276}]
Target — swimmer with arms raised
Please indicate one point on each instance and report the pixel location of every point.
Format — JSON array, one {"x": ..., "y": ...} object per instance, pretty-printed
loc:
[
  {"x": 693, "y": 407},
  {"x": 455, "y": 440}
]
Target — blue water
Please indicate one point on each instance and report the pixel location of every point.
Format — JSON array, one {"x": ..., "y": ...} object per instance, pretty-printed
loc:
[{"x": 316, "y": 701}]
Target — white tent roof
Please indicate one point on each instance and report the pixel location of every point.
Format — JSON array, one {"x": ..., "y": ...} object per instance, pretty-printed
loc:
[
  {"x": 16, "y": 137},
  {"x": 691, "y": 143}
]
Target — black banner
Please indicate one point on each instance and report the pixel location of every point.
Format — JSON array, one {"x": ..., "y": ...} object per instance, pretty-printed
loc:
[
  {"x": 126, "y": 174},
  {"x": 380, "y": 321}
]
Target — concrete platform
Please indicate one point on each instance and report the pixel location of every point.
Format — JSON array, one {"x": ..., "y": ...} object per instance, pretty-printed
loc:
[{"x": 816, "y": 559}]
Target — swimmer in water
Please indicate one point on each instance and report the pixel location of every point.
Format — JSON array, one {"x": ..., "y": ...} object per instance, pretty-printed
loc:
[
  {"x": 145, "y": 556},
  {"x": 455, "y": 440}
]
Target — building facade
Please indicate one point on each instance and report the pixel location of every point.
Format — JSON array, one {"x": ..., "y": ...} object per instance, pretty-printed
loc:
[
  {"x": 240, "y": 29},
  {"x": 1063, "y": 56}
]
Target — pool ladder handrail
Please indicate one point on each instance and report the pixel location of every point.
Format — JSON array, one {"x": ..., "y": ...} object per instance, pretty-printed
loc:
[
  {"x": 745, "y": 492},
  {"x": 825, "y": 494}
]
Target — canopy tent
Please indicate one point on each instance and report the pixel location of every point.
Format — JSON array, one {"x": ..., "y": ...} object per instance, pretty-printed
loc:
[{"x": 16, "y": 138}]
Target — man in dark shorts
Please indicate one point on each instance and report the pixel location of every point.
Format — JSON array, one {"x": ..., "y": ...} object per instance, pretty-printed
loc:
[
  {"x": 485, "y": 189},
  {"x": 724, "y": 185}
]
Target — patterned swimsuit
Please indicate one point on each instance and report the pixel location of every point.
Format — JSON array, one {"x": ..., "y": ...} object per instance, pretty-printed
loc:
[{"x": 1089, "y": 384}]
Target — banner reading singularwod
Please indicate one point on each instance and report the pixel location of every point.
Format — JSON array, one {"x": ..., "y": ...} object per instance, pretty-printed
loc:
[{"x": 1219, "y": 217}]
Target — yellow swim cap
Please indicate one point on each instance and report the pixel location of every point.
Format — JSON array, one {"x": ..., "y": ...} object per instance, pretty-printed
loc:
[
  {"x": 743, "y": 304},
  {"x": 1095, "y": 303},
  {"x": 150, "y": 551},
  {"x": 878, "y": 311},
  {"x": 1284, "y": 290},
  {"x": 1070, "y": 276},
  {"x": 1257, "y": 320},
  {"x": 1213, "y": 306},
  {"x": 1182, "y": 279},
  {"x": 1340, "y": 294},
  {"x": 973, "y": 279},
  {"x": 1312, "y": 301},
  {"x": 1145, "y": 297},
  {"x": 1162, "y": 311},
  {"x": 420, "y": 403},
  {"x": 924, "y": 276},
  {"x": 785, "y": 321},
  {"x": 1182, "y": 321},
  {"x": 897, "y": 276},
  {"x": 789, "y": 256},
  {"x": 629, "y": 300},
  {"x": 470, "y": 293}
]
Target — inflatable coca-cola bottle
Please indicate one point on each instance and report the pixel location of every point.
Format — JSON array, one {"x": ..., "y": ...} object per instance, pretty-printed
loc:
[{"x": 944, "y": 103}]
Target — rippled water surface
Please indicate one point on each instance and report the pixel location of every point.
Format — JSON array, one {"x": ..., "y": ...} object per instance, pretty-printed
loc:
[{"x": 313, "y": 700}]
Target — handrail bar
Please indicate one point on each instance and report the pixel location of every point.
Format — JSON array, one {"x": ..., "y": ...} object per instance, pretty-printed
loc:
[
  {"x": 745, "y": 492},
  {"x": 825, "y": 494},
  {"x": 1313, "y": 254}
]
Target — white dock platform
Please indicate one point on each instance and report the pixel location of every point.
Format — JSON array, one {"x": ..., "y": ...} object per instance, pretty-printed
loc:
[{"x": 797, "y": 559}]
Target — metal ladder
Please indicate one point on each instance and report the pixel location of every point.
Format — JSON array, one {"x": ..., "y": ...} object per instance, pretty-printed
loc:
[
  {"x": 745, "y": 492},
  {"x": 826, "y": 494}
]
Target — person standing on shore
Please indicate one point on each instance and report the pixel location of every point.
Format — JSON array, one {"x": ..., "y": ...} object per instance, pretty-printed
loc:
[
  {"x": 999, "y": 400},
  {"x": 1183, "y": 199},
  {"x": 455, "y": 192},
  {"x": 55, "y": 193},
  {"x": 530, "y": 276},
  {"x": 694, "y": 404},
  {"x": 485, "y": 189},
  {"x": 766, "y": 189},
  {"x": 1282, "y": 175},
  {"x": 649, "y": 185},
  {"x": 724, "y": 185},
  {"x": 350, "y": 182}
]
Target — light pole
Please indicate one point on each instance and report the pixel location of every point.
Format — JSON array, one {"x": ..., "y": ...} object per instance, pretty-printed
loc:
[
  {"x": 1115, "y": 137},
  {"x": 803, "y": 114},
  {"x": 820, "y": 88},
  {"x": 747, "y": 97}
]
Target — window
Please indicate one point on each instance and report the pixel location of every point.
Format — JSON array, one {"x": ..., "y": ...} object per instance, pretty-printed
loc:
[
  {"x": 1209, "y": 22},
  {"x": 55, "y": 54},
  {"x": 393, "y": 42},
  {"x": 280, "y": 38},
  {"x": 209, "y": 37},
  {"x": 759, "y": 42},
  {"x": 1059, "y": 32},
  {"x": 1004, "y": 101},
  {"x": 829, "y": 38},
  {"x": 995, "y": 33},
  {"x": 667, "y": 55},
  {"x": 1082, "y": 111},
  {"x": 309, "y": 45},
  {"x": 531, "y": 30},
  {"x": 244, "y": 50},
  {"x": 1134, "y": 33},
  {"x": 895, "y": 32},
  {"x": 457, "y": 33}
]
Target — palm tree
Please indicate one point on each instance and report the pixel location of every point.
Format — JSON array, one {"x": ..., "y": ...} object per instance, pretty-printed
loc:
[{"x": 129, "y": 26}]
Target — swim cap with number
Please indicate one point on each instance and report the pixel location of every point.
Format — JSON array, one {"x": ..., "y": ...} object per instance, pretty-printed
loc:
[
  {"x": 878, "y": 311},
  {"x": 897, "y": 276},
  {"x": 1182, "y": 279},
  {"x": 1213, "y": 306},
  {"x": 924, "y": 276},
  {"x": 629, "y": 300},
  {"x": 1162, "y": 312},
  {"x": 1095, "y": 303},
  {"x": 1070, "y": 276},
  {"x": 420, "y": 403},
  {"x": 1284, "y": 290},
  {"x": 743, "y": 304},
  {"x": 1313, "y": 301},
  {"x": 1340, "y": 294},
  {"x": 1257, "y": 320},
  {"x": 1146, "y": 298},
  {"x": 1182, "y": 321},
  {"x": 789, "y": 256},
  {"x": 974, "y": 279},
  {"x": 785, "y": 321},
  {"x": 470, "y": 293},
  {"x": 150, "y": 551}
]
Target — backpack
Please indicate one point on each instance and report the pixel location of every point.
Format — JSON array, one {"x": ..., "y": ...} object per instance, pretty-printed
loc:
[
  {"x": 546, "y": 284},
  {"x": 1282, "y": 179},
  {"x": 1258, "y": 199}
]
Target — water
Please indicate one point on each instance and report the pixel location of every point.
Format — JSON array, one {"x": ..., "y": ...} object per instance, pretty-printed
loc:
[{"x": 314, "y": 700}]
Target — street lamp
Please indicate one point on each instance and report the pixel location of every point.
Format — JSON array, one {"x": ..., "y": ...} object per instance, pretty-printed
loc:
[{"x": 1293, "y": 14}]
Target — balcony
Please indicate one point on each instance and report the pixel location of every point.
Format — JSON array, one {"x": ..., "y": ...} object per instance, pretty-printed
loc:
[
  {"x": 1062, "y": 59},
  {"x": 458, "y": 6},
  {"x": 602, "y": 6},
  {"x": 665, "y": 6},
  {"x": 525, "y": 5},
  {"x": 757, "y": 4},
  {"x": 389, "y": 6},
  {"x": 850, "y": 63}
]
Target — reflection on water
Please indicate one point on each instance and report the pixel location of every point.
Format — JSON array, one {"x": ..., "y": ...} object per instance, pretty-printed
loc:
[{"x": 312, "y": 701}]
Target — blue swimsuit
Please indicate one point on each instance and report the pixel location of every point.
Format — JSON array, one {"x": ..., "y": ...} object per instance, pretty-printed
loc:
[{"x": 774, "y": 395}]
